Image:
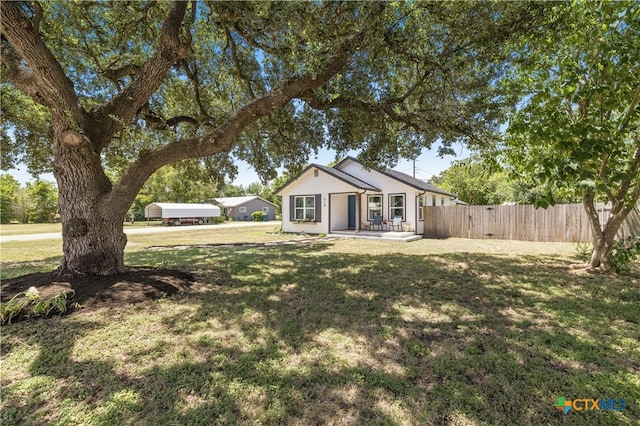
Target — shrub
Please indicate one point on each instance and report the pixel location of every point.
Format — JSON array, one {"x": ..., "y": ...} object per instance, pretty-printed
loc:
[
  {"x": 258, "y": 215},
  {"x": 624, "y": 252},
  {"x": 584, "y": 250},
  {"x": 217, "y": 219}
]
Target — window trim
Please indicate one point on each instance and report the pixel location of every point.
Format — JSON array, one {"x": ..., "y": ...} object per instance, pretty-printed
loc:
[
  {"x": 392, "y": 207},
  {"x": 381, "y": 196},
  {"x": 242, "y": 209},
  {"x": 317, "y": 208},
  {"x": 420, "y": 203}
]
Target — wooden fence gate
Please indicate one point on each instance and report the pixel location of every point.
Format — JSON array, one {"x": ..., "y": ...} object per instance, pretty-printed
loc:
[{"x": 562, "y": 222}]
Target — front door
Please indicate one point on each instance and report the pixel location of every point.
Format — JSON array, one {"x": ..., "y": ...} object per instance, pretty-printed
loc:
[{"x": 352, "y": 212}]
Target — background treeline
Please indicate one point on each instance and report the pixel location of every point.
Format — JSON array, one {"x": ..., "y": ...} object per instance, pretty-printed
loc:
[
  {"x": 35, "y": 202},
  {"x": 478, "y": 182}
]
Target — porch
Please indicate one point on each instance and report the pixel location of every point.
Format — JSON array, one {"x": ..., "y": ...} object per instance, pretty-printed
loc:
[{"x": 377, "y": 235}]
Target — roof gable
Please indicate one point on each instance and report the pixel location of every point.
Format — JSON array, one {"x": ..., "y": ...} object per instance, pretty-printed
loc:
[
  {"x": 333, "y": 172},
  {"x": 401, "y": 177}
]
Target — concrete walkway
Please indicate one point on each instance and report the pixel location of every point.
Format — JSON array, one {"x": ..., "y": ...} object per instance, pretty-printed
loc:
[{"x": 147, "y": 230}]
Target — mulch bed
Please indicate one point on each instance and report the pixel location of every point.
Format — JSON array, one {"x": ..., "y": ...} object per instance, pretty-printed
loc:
[{"x": 138, "y": 284}]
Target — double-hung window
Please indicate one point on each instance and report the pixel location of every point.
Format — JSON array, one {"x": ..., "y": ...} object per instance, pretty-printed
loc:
[
  {"x": 396, "y": 205},
  {"x": 420, "y": 207},
  {"x": 305, "y": 208},
  {"x": 374, "y": 203}
]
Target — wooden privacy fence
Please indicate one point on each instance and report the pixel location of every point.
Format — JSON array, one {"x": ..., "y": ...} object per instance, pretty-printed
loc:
[{"x": 562, "y": 222}]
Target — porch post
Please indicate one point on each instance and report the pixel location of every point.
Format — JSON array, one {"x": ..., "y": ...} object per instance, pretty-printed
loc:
[{"x": 358, "y": 211}]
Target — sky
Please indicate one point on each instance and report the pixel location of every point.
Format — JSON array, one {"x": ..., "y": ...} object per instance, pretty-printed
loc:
[{"x": 427, "y": 165}]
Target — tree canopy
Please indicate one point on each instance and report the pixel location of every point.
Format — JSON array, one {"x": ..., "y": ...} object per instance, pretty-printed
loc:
[
  {"x": 129, "y": 87},
  {"x": 425, "y": 71},
  {"x": 577, "y": 127}
]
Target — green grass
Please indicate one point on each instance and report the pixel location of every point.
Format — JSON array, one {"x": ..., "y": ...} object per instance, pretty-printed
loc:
[{"x": 346, "y": 332}]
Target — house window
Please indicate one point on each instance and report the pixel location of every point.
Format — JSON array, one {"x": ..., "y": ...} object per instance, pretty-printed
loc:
[
  {"x": 242, "y": 209},
  {"x": 433, "y": 201},
  {"x": 305, "y": 208},
  {"x": 442, "y": 201},
  {"x": 420, "y": 207},
  {"x": 374, "y": 203},
  {"x": 265, "y": 209},
  {"x": 396, "y": 206}
]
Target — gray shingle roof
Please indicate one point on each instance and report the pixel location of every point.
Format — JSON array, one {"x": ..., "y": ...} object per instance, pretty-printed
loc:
[
  {"x": 416, "y": 183},
  {"x": 405, "y": 178},
  {"x": 338, "y": 174}
]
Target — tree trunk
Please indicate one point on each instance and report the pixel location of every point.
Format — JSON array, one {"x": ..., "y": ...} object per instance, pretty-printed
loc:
[
  {"x": 603, "y": 237},
  {"x": 600, "y": 258},
  {"x": 92, "y": 233}
]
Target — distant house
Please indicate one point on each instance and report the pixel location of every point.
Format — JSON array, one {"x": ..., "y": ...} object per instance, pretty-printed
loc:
[
  {"x": 347, "y": 196},
  {"x": 240, "y": 208}
]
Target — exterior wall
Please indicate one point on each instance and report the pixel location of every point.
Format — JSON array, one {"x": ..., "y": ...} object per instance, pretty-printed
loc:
[
  {"x": 391, "y": 186},
  {"x": 153, "y": 211},
  {"x": 252, "y": 206},
  {"x": 310, "y": 184},
  {"x": 334, "y": 199},
  {"x": 339, "y": 211}
]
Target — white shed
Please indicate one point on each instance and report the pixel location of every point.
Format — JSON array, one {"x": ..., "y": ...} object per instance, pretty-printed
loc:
[{"x": 178, "y": 213}]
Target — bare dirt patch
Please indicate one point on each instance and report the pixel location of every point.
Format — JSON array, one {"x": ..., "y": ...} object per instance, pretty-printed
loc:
[{"x": 138, "y": 284}]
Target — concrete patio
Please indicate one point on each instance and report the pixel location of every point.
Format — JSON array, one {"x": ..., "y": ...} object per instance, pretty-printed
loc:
[{"x": 377, "y": 235}]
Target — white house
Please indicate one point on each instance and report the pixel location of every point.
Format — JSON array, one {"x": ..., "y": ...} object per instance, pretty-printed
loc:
[{"x": 349, "y": 197}]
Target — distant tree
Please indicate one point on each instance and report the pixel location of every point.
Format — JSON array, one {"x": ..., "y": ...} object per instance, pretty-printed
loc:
[
  {"x": 578, "y": 127},
  {"x": 475, "y": 183},
  {"x": 231, "y": 190},
  {"x": 255, "y": 188},
  {"x": 43, "y": 200},
  {"x": 187, "y": 182},
  {"x": 9, "y": 188}
]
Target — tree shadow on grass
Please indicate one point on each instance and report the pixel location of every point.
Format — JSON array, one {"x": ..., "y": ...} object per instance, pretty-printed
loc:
[{"x": 308, "y": 335}]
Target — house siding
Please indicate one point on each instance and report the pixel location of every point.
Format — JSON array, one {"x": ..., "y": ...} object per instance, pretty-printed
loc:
[
  {"x": 391, "y": 186},
  {"x": 323, "y": 186},
  {"x": 334, "y": 192},
  {"x": 252, "y": 206}
]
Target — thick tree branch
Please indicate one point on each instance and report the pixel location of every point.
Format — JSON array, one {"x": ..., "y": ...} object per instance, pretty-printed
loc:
[
  {"x": 37, "y": 17},
  {"x": 125, "y": 104},
  {"x": 37, "y": 72},
  {"x": 221, "y": 139},
  {"x": 126, "y": 71},
  {"x": 19, "y": 72}
]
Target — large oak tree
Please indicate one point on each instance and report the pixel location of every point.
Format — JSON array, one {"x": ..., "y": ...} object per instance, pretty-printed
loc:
[{"x": 135, "y": 86}]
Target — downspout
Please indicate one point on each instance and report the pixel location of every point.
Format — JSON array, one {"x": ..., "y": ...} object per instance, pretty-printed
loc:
[{"x": 418, "y": 215}]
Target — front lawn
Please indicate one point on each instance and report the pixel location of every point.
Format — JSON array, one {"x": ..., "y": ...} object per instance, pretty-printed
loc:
[{"x": 452, "y": 331}]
